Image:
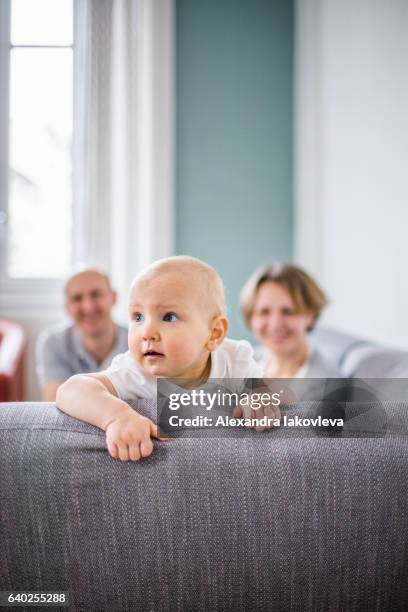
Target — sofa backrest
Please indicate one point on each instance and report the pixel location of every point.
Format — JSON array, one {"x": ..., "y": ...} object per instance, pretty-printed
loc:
[
  {"x": 376, "y": 362},
  {"x": 263, "y": 521},
  {"x": 359, "y": 358}
]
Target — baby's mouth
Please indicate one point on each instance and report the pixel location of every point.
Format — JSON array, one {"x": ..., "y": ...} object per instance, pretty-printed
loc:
[{"x": 152, "y": 355}]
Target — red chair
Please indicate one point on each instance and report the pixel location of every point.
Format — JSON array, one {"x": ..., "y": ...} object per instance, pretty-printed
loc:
[{"x": 13, "y": 348}]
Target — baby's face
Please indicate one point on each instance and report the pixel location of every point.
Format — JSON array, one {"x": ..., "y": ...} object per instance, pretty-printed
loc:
[{"x": 169, "y": 328}]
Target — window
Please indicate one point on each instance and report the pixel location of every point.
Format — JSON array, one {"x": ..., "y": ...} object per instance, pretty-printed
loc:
[
  {"x": 86, "y": 126},
  {"x": 37, "y": 97}
]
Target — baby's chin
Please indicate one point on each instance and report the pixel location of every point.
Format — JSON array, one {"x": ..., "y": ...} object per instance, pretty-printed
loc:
[
  {"x": 162, "y": 368},
  {"x": 156, "y": 371},
  {"x": 164, "y": 372}
]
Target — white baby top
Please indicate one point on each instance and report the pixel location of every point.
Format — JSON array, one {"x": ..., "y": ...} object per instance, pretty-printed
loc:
[{"x": 233, "y": 359}]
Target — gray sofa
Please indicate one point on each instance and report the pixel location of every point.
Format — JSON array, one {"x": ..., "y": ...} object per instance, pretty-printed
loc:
[
  {"x": 280, "y": 521},
  {"x": 358, "y": 357}
]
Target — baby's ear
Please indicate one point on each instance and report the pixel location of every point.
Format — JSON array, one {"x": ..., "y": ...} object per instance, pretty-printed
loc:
[{"x": 218, "y": 331}]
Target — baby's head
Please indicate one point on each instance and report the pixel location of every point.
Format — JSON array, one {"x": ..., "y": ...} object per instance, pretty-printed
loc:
[{"x": 177, "y": 317}]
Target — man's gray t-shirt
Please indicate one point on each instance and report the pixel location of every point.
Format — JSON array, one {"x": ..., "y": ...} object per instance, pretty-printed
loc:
[{"x": 61, "y": 354}]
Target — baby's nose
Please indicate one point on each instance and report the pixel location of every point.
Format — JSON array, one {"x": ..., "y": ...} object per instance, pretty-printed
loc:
[{"x": 150, "y": 331}]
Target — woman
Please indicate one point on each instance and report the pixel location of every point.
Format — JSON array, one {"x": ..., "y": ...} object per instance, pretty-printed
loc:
[{"x": 281, "y": 304}]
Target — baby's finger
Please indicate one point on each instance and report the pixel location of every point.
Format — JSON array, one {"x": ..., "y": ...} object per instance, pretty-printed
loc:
[
  {"x": 271, "y": 413},
  {"x": 113, "y": 450},
  {"x": 237, "y": 412},
  {"x": 154, "y": 432},
  {"x": 146, "y": 447},
  {"x": 247, "y": 414},
  {"x": 258, "y": 415},
  {"x": 123, "y": 452},
  {"x": 134, "y": 451}
]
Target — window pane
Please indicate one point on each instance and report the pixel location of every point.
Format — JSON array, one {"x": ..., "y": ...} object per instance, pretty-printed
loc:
[
  {"x": 41, "y": 22},
  {"x": 40, "y": 198}
]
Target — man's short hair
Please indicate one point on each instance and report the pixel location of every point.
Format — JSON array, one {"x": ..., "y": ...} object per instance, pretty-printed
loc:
[{"x": 82, "y": 268}]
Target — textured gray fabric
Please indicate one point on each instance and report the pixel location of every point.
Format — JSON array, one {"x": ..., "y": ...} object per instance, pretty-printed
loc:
[{"x": 264, "y": 522}]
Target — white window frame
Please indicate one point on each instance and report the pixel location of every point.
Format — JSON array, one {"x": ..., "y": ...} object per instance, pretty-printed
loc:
[{"x": 40, "y": 290}]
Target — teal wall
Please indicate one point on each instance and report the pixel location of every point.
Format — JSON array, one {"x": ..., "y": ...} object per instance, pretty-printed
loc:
[{"x": 234, "y": 151}]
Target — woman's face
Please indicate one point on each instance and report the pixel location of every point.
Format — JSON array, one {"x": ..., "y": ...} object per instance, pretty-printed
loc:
[{"x": 275, "y": 322}]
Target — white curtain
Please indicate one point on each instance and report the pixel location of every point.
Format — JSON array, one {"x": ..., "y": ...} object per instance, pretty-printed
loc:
[{"x": 125, "y": 163}]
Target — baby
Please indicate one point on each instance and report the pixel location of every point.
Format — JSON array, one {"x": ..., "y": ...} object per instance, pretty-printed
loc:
[{"x": 177, "y": 330}]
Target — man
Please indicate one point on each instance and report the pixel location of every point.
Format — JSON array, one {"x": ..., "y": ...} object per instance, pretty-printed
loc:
[{"x": 90, "y": 342}]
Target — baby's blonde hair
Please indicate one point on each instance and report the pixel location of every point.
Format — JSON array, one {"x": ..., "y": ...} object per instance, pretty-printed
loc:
[{"x": 206, "y": 279}]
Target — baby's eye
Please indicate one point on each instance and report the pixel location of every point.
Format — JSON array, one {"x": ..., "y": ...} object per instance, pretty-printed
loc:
[
  {"x": 137, "y": 317},
  {"x": 288, "y": 312},
  {"x": 170, "y": 316}
]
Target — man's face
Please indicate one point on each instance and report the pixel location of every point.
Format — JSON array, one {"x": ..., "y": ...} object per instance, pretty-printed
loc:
[
  {"x": 168, "y": 329},
  {"x": 88, "y": 301}
]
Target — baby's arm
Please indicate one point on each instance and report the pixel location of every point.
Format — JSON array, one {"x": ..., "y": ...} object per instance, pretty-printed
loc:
[{"x": 92, "y": 398}]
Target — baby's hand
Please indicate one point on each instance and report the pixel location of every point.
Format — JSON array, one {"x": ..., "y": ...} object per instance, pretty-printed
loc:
[
  {"x": 128, "y": 437},
  {"x": 269, "y": 411}
]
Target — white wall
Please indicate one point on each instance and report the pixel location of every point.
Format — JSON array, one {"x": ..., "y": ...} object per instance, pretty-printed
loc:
[{"x": 352, "y": 160}]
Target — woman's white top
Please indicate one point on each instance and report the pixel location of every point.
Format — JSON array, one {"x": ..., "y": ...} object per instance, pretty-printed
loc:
[{"x": 314, "y": 367}]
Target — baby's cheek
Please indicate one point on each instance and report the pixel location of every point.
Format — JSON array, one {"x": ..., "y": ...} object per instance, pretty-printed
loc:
[
  {"x": 134, "y": 347},
  {"x": 136, "y": 356},
  {"x": 179, "y": 351}
]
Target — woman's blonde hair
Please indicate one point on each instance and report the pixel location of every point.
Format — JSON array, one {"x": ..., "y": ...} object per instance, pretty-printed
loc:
[{"x": 306, "y": 294}]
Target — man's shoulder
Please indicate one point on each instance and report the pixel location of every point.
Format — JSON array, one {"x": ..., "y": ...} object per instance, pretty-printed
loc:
[
  {"x": 122, "y": 337},
  {"x": 56, "y": 335},
  {"x": 122, "y": 329},
  {"x": 54, "y": 353}
]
